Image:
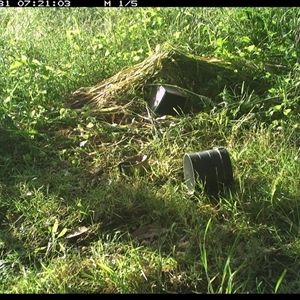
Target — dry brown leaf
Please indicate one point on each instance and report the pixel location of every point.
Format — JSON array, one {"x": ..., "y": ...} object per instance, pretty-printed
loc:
[
  {"x": 148, "y": 231},
  {"x": 79, "y": 231}
]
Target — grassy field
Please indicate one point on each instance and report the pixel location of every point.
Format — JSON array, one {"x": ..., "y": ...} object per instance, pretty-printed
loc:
[{"x": 71, "y": 223}]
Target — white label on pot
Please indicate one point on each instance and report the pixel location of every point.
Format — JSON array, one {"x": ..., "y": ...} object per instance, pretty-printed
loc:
[{"x": 159, "y": 95}]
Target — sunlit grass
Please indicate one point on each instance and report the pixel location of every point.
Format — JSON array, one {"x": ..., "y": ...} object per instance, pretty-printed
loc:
[{"x": 71, "y": 223}]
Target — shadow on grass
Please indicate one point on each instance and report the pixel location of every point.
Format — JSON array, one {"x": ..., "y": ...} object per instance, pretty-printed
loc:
[
  {"x": 269, "y": 233},
  {"x": 85, "y": 196},
  {"x": 141, "y": 212}
]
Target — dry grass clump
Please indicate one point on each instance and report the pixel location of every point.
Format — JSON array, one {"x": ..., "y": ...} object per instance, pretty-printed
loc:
[
  {"x": 110, "y": 92},
  {"x": 200, "y": 77}
]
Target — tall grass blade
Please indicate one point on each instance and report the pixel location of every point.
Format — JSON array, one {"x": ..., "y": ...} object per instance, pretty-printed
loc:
[{"x": 280, "y": 280}]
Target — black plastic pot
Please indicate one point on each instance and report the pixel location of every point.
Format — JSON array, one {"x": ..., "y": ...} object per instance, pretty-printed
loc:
[
  {"x": 167, "y": 100},
  {"x": 210, "y": 169}
]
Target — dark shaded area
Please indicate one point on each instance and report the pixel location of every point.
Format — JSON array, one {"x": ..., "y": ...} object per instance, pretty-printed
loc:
[{"x": 203, "y": 82}]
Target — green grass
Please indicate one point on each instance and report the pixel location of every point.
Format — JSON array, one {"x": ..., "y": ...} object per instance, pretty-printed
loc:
[{"x": 59, "y": 169}]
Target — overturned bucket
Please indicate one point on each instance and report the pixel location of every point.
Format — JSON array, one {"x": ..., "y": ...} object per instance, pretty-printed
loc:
[
  {"x": 212, "y": 168},
  {"x": 136, "y": 165}
]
